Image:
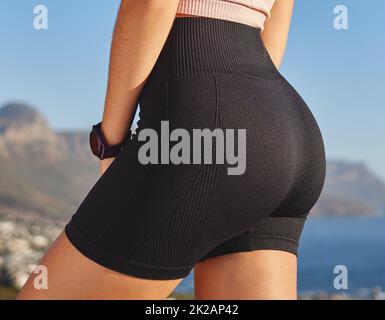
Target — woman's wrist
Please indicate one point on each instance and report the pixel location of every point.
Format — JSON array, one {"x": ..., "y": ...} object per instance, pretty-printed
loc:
[{"x": 113, "y": 135}]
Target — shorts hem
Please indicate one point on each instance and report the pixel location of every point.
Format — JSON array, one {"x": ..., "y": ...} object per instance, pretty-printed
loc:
[
  {"x": 120, "y": 264},
  {"x": 258, "y": 243}
]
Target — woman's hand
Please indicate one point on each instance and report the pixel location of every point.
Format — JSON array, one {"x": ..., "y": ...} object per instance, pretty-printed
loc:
[
  {"x": 104, "y": 164},
  {"x": 275, "y": 33}
]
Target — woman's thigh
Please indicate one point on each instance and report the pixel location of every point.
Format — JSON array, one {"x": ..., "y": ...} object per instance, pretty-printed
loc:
[
  {"x": 70, "y": 275},
  {"x": 260, "y": 274}
]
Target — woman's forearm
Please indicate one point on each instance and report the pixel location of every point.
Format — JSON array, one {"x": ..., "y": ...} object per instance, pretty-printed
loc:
[
  {"x": 276, "y": 30},
  {"x": 141, "y": 29}
]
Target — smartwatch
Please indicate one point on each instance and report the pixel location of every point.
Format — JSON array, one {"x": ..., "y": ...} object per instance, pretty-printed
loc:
[{"x": 99, "y": 145}]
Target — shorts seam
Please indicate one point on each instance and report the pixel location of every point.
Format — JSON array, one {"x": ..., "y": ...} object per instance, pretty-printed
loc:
[
  {"x": 274, "y": 237},
  {"x": 218, "y": 123},
  {"x": 164, "y": 222},
  {"x": 214, "y": 74}
]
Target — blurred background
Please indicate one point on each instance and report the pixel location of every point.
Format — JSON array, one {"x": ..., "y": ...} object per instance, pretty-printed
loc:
[{"x": 52, "y": 86}]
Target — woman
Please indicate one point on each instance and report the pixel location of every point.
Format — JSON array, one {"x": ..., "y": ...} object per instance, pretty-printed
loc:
[{"x": 146, "y": 225}]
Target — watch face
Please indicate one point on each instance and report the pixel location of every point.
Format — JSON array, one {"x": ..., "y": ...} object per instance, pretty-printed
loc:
[
  {"x": 94, "y": 144},
  {"x": 98, "y": 145}
]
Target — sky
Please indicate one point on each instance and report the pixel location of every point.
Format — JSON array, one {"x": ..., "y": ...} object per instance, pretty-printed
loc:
[{"x": 62, "y": 71}]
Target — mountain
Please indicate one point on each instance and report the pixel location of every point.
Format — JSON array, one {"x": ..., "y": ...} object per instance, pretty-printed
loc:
[
  {"x": 351, "y": 188},
  {"x": 355, "y": 182},
  {"x": 45, "y": 174}
]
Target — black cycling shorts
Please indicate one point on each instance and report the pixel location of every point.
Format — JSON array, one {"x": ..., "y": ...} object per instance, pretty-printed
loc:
[{"x": 158, "y": 220}]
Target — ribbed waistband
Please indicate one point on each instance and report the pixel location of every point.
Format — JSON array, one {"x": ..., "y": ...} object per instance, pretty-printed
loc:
[{"x": 201, "y": 45}]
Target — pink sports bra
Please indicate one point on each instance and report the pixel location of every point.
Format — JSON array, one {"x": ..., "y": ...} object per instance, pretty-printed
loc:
[{"x": 250, "y": 12}]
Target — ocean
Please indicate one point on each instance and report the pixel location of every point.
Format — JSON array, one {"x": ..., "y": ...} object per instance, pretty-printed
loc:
[{"x": 356, "y": 243}]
